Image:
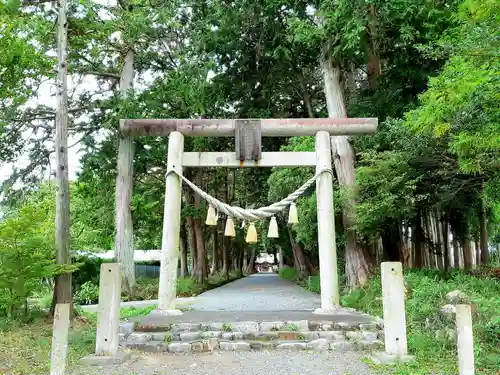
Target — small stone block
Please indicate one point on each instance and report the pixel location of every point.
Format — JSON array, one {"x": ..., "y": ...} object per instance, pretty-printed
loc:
[
  {"x": 234, "y": 346},
  {"x": 270, "y": 335},
  {"x": 227, "y": 336},
  {"x": 138, "y": 337},
  {"x": 315, "y": 325},
  {"x": 370, "y": 336},
  {"x": 185, "y": 327},
  {"x": 245, "y": 327},
  {"x": 371, "y": 327},
  {"x": 216, "y": 326},
  {"x": 302, "y": 325},
  {"x": 318, "y": 345},
  {"x": 327, "y": 326},
  {"x": 382, "y": 358},
  {"x": 353, "y": 335},
  {"x": 343, "y": 346},
  {"x": 237, "y": 336},
  {"x": 127, "y": 328},
  {"x": 252, "y": 335},
  {"x": 369, "y": 344},
  {"x": 210, "y": 345},
  {"x": 271, "y": 326},
  {"x": 190, "y": 336},
  {"x": 197, "y": 347},
  {"x": 101, "y": 360},
  {"x": 292, "y": 346},
  {"x": 211, "y": 334},
  {"x": 159, "y": 336},
  {"x": 344, "y": 326},
  {"x": 332, "y": 335},
  {"x": 179, "y": 347},
  {"x": 308, "y": 335},
  {"x": 154, "y": 347}
]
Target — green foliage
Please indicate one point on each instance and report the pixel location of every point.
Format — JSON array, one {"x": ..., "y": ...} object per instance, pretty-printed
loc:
[
  {"x": 87, "y": 294},
  {"x": 462, "y": 102},
  {"x": 27, "y": 254},
  {"x": 288, "y": 273},
  {"x": 430, "y": 334}
]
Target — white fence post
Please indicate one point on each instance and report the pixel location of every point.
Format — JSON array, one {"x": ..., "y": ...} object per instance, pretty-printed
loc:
[
  {"x": 59, "y": 353},
  {"x": 465, "y": 341},
  {"x": 393, "y": 294},
  {"x": 108, "y": 318}
]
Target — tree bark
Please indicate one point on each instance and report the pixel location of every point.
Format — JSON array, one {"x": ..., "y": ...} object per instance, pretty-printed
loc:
[
  {"x": 305, "y": 94},
  {"x": 63, "y": 289},
  {"x": 184, "y": 259},
  {"x": 124, "y": 240},
  {"x": 446, "y": 249},
  {"x": 374, "y": 68},
  {"x": 359, "y": 264},
  {"x": 483, "y": 235},
  {"x": 467, "y": 249},
  {"x": 299, "y": 256},
  {"x": 201, "y": 267},
  {"x": 418, "y": 238}
]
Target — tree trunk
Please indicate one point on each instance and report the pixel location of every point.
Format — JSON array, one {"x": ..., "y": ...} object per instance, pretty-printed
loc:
[
  {"x": 201, "y": 267},
  {"x": 215, "y": 249},
  {"x": 63, "y": 290},
  {"x": 456, "y": 251},
  {"x": 374, "y": 68},
  {"x": 299, "y": 257},
  {"x": 359, "y": 263},
  {"x": 251, "y": 260},
  {"x": 184, "y": 259},
  {"x": 281, "y": 258},
  {"x": 418, "y": 238},
  {"x": 124, "y": 241},
  {"x": 467, "y": 250},
  {"x": 305, "y": 94},
  {"x": 446, "y": 250},
  {"x": 483, "y": 235}
]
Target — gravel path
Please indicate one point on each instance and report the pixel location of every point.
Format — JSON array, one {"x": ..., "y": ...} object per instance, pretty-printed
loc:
[
  {"x": 231, "y": 363},
  {"x": 258, "y": 292}
]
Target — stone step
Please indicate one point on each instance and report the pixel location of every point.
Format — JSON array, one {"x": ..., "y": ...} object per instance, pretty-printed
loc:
[
  {"x": 138, "y": 337},
  {"x": 213, "y": 344},
  {"x": 250, "y": 326}
]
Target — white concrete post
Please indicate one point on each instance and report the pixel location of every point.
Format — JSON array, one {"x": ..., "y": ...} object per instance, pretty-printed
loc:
[
  {"x": 326, "y": 227},
  {"x": 393, "y": 294},
  {"x": 108, "y": 318},
  {"x": 465, "y": 341},
  {"x": 171, "y": 227},
  {"x": 59, "y": 353}
]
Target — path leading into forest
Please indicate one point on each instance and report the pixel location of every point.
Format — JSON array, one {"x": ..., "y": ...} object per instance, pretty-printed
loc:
[{"x": 257, "y": 292}]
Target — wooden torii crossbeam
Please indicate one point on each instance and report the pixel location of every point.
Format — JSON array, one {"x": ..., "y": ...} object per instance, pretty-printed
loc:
[{"x": 248, "y": 134}]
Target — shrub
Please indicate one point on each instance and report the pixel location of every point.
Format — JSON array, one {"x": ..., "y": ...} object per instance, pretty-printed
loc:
[
  {"x": 430, "y": 334},
  {"x": 26, "y": 255},
  {"x": 288, "y": 273},
  {"x": 88, "y": 294}
]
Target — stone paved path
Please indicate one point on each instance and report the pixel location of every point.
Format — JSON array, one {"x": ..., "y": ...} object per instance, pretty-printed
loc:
[
  {"x": 258, "y": 292},
  {"x": 236, "y": 363}
]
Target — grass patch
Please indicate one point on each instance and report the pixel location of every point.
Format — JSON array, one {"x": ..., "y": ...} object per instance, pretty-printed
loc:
[
  {"x": 147, "y": 288},
  {"x": 25, "y": 344},
  {"x": 431, "y": 336}
]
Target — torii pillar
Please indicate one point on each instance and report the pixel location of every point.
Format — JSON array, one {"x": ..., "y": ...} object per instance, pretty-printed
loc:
[{"x": 248, "y": 133}]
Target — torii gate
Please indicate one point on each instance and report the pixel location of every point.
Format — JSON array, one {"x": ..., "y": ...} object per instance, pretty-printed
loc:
[{"x": 248, "y": 133}]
